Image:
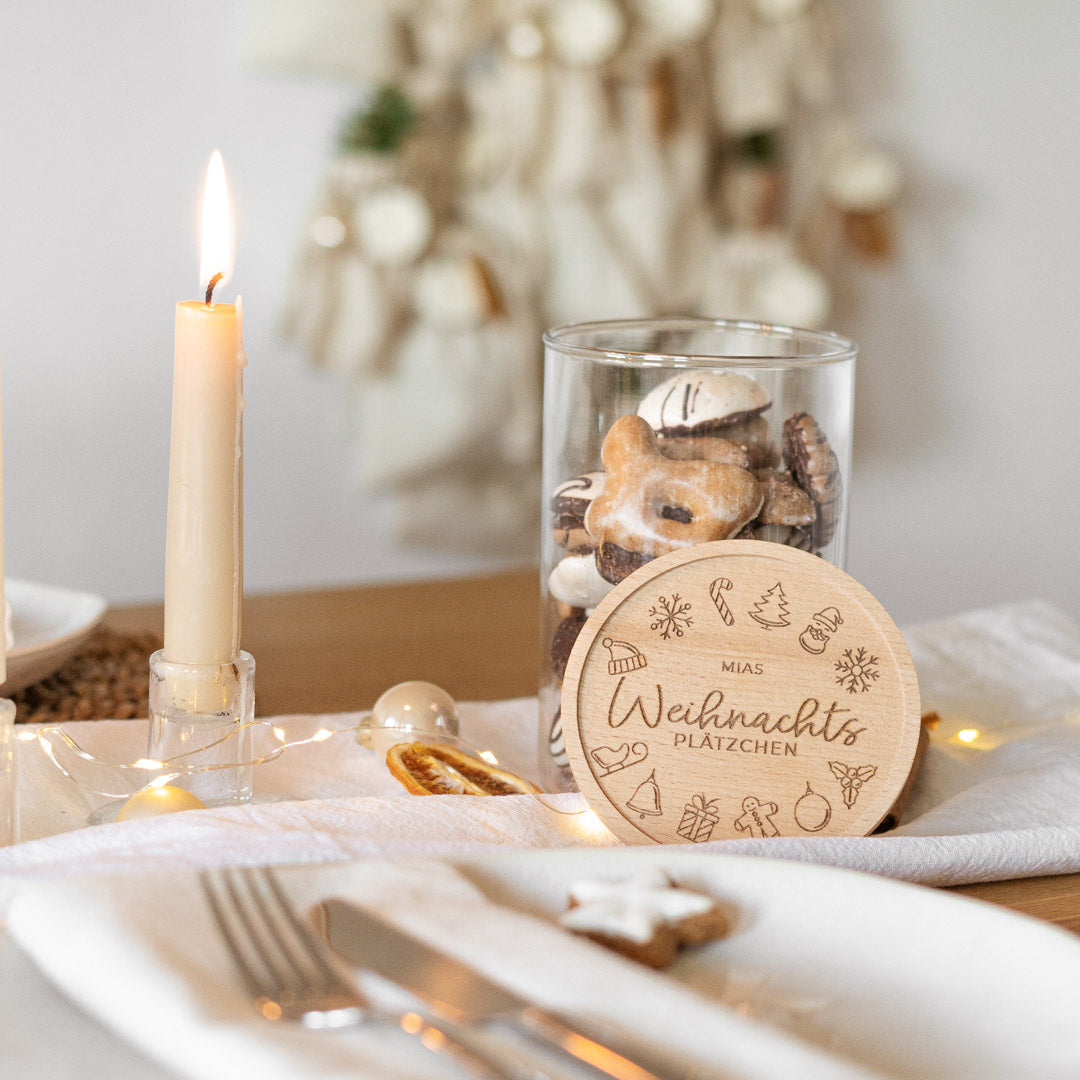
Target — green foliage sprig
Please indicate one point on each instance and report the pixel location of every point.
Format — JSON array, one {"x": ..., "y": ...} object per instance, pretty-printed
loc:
[{"x": 382, "y": 125}]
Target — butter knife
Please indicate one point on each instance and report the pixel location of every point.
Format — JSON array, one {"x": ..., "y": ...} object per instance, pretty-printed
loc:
[{"x": 459, "y": 993}]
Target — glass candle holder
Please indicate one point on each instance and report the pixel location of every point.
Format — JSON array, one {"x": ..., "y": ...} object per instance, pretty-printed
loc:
[
  {"x": 202, "y": 724},
  {"x": 663, "y": 433},
  {"x": 9, "y": 805}
]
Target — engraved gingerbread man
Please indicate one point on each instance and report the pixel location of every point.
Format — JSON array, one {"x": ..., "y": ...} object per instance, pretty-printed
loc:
[{"x": 756, "y": 819}]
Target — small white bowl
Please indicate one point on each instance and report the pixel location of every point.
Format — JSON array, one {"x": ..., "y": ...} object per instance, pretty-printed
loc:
[{"x": 49, "y": 624}]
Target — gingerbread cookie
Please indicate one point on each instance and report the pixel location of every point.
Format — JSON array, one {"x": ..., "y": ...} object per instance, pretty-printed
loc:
[
  {"x": 753, "y": 433},
  {"x": 646, "y": 918},
  {"x": 652, "y": 505},
  {"x": 616, "y": 563},
  {"x": 814, "y": 465},
  {"x": 785, "y": 503},
  {"x": 711, "y": 448}
]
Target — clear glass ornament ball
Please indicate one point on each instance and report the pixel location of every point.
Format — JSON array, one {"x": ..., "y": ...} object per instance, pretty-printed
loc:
[{"x": 407, "y": 711}]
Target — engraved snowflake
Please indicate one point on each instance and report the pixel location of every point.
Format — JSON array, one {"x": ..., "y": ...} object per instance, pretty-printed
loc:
[
  {"x": 858, "y": 670},
  {"x": 670, "y": 616}
]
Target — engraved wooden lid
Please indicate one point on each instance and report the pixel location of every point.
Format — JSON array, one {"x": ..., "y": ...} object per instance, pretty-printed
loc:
[{"x": 737, "y": 689}]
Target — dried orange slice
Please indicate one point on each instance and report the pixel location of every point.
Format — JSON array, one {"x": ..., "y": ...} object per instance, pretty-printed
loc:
[{"x": 444, "y": 770}]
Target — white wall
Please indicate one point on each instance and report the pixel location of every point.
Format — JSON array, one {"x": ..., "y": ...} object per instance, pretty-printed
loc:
[
  {"x": 108, "y": 112},
  {"x": 964, "y": 491},
  {"x": 968, "y": 396}
]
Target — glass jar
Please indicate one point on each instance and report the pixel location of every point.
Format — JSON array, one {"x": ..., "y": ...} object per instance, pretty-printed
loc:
[{"x": 663, "y": 433}]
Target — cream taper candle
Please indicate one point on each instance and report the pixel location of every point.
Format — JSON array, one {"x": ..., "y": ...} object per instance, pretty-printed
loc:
[{"x": 204, "y": 538}]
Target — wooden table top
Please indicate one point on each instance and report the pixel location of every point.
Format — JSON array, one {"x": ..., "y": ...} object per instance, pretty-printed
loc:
[{"x": 337, "y": 650}]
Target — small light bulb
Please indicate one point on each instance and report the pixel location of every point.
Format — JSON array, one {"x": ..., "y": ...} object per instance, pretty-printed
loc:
[
  {"x": 158, "y": 799},
  {"x": 411, "y": 1022},
  {"x": 968, "y": 735}
]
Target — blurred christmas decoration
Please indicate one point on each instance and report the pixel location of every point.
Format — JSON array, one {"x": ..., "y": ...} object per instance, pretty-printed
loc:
[{"x": 516, "y": 164}]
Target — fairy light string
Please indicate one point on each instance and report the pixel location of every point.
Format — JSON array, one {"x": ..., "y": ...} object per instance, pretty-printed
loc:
[
  {"x": 55, "y": 739},
  {"x": 66, "y": 753}
]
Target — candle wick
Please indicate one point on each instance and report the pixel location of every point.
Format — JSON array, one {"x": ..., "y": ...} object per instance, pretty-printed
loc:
[{"x": 210, "y": 288}]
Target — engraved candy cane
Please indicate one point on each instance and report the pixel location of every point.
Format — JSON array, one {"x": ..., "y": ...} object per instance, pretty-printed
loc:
[{"x": 716, "y": 591}]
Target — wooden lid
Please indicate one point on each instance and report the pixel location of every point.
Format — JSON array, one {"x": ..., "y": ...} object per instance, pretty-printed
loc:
[{"x": 737, "y": 689}]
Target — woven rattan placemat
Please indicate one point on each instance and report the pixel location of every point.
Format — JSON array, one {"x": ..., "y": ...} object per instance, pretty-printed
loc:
[{"x": 107, "y": 679}]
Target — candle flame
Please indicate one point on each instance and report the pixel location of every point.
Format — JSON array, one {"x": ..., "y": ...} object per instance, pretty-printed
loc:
[{"x": 217, "y": 247}]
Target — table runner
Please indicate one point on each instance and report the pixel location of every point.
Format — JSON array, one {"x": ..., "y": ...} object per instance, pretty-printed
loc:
[{"x": 974, "y": 815}]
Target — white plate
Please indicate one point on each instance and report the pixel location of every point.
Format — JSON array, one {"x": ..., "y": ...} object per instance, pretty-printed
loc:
[
  {"x": 48, "y": 625},
  {"x": 901, "y": 980}
]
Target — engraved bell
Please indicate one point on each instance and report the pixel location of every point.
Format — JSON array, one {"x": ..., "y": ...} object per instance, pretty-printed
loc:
[{"x": 646, "y": 800}]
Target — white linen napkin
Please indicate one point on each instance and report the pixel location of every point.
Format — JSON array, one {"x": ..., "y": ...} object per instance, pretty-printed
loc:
[
  {"x": 174, "y": 992},
  {"x": 1002, "y": 806}
]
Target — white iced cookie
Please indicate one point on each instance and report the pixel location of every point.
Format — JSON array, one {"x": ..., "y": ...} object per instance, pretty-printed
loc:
[
  {"x": 646, "y": 917},
  {"x": 702, "y": 402},
  {"x": 863, "y": 179},
  {"x": 585, "y": 33},
  {"x": 577, "y": 582},
  {"x": 577, "y": 490},
  {"x": 394, "y": 225}
]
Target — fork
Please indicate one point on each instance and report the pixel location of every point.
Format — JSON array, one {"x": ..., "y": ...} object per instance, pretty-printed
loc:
[
  {"x": 280, "y": 959},
  {"x": 293, "y": 976}
]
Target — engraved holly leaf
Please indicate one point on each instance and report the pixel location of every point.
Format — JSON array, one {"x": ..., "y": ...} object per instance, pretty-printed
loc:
[{"x": 852, "y": 778}]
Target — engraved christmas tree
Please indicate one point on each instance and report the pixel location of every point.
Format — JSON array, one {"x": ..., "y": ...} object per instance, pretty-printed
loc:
[{"x": 772, "y": 609}]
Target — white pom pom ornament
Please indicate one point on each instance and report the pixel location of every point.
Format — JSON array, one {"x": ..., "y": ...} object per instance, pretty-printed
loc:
[
  {"x": 525, "y": 40},
  {"x": 779, "y": 10},
  {"x": 863, "y": 179},
  {"x": 676, "y": 20},
  {"x": 585, "y": 33},
  {"x": 790, "y": 293},
  {"x": 394, "y": 224},
  {"x": 448, "y": 292}
]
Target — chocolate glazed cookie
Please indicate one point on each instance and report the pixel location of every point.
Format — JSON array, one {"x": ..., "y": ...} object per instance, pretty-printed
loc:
[
  {"x": 814, "y": 465},
  {"x": 562, "y": 644},
  {"x": 568, "y": 505}
]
